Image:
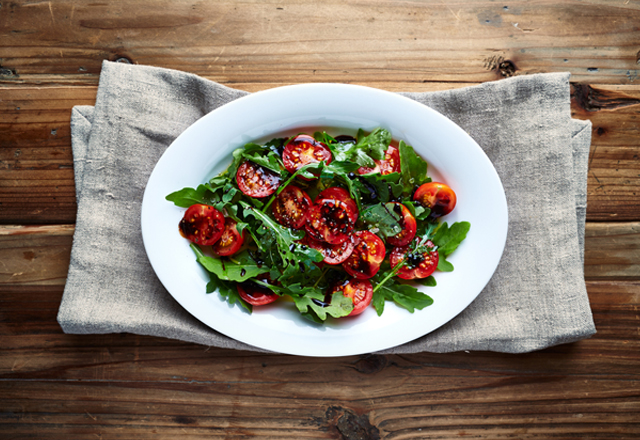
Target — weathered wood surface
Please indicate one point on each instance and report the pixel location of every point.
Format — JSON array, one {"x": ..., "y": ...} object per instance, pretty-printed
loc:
[
  {"x": 385, "y": 41},
  {"x": 36, "y": 163},
  {"x": 39, "y": 255},
  {"x": 125, "y": 386}
]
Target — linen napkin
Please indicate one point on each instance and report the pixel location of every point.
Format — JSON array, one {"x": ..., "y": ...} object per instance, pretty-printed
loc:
[{"x": 536, "y": 298}]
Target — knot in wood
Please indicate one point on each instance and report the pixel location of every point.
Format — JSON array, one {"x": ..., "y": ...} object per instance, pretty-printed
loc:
[{"x": 507, "y": 68}]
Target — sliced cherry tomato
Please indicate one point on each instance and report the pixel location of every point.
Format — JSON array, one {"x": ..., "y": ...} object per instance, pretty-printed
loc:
[
  {"x": 291, "y": 207},
  {"x": 408, "y": 223},
  {"x": 360, "y": 292},
  {"x": 231, "y": 240},
  {"x": 332, "y": 253},
  {"x": 417, "y": 265},
  {"x": 255, "y": 294},
  {"x": 256, "y": 181},
  {"x": 330, "y": 224},
  {"x": 436, "y": 196},
  {"x": 333, "y": 216},
  {"x": 202, "y": 224},
  {"x": 337, "y": 195},
  {"x": 304, "y": 149},
  {"x": 390, "y": 163},
  {"x": 364, "y": 261}
]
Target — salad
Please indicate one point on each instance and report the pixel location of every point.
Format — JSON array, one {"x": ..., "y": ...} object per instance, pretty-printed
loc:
[{"x": 334, "y": 224}]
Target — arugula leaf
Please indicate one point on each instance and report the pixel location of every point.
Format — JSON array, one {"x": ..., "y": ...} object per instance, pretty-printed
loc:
[
  {"x": 449, "y": 238},
  {"x": 429, "y": 281},
  {"x": 374, "y": 188},
  {"x": 186, "y": 197},
  {"x": 261, "y": 156},
  {"x": 444, "y": 265},
  {"x": 313, "y": 301},
  {"x": 239, "y": 268},
  {"x": 375, "y": 144},
  {"x": 418, "y": 211},
  {"x": 227, "y": 290},
  {"x": 285, "y": 239},
  {"x": 404, "y": 295},
  {"x": 383, "y": 217},
  {"x": 413, "y": 169}
]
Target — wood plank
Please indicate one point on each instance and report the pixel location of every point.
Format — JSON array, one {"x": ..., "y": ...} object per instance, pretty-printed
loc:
[
  {"x": 37, "y": 255},
  {"x": 108, "y": 385},
  {"x": 36, "y": 164},
  {"x": 613, "y": 186},
  {"x": 328, "y": 41}
]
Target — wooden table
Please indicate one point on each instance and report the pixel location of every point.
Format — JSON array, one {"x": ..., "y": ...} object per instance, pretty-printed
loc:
[{"x": 59, "y": 386}]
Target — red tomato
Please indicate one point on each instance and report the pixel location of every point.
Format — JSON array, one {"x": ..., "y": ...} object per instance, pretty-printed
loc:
[
  {"x": 337, "y": 195},
  {"x": 390, "y": 163},
  {"x": 436, "y": 196},
  {"x": 364, "y": 261},
  {"x": 408, "y": 223},
  {"x": 255, "y": 294},
  {"x": 291, "y": 207},
  {"x": 330, "y": 224},
  {"x": 360, "y": 292},
  {"x": 332, "y": 217},
  {"x": 256, "y": 181},
  {"x": 304, "y": 149},
  {"x": 230, "y": 241},
  {"x": 418, "y": 266},
  {"x": 202, "y": 224},
  {"x": 332, "y": 253}
]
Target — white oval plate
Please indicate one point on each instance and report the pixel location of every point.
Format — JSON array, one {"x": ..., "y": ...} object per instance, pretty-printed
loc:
[{"x": 204, "y": 150}]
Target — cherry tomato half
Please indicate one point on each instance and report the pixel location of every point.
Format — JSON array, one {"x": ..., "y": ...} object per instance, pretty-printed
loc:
[
  {"x": 332, "y": 217},
  {"x": 408, "y": 223},
  {"x": 337, "y": 195},
  {"x": 256, "y": 181},
  {"x": 291, "y": 207},
  {"x": 390, "y": 163},
  {"x": 255, "y": 294},
  {"x": 230, "y": 241},
  {"x": 436, "y": 196},
  {"x": 332, "y": 253},
  {"x": 360, "y": 292},
  {"x": 304, "y": 149},
  {"x": 202, "y": 224},
  {"x": 417, "y": 265},
  {"x": 364, "y": 261}
]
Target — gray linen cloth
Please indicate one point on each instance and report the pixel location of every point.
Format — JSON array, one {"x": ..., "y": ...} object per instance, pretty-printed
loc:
[{"x": 536, "y": 298}]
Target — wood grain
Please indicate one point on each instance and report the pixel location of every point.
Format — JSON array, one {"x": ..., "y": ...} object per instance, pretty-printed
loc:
[
  {"x": 37, "y": 255},
  {"x": 36, "y": 163},
  {"x": 85, "y": 385},
  {"x": 122, "y": 386},
  {"x": 324, "y": 41}
]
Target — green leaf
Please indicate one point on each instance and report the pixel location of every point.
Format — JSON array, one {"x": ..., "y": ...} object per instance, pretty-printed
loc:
[
  {"x": 313, "y": 300},
  {"x": 405, "y": 295},
  {"x": 418, "y": 211},
  {"x": 187, "y": 197},
  {"x": 383, "y": 217},
  {"x": 413, "y": 169},
  {"x": 239, "y": 268},
  {"x": 376, "y": 188},
  {"x": 375, "y": 144},
  {"x": 291, "y": 253},
  {"x": 227, "y": 290},
  {"x": 449, "y": 238},
  {"x": 444, "y": 265},
  {"x": 429, "y": 281}
]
